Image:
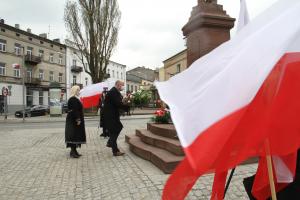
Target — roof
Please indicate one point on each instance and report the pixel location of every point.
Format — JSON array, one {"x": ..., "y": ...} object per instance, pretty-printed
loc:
[
  {"x": 6, "y": 26},
  {"x": 143, "y": 73},
  {"x": 175, "y": 55},
  {"x": 133, "y": 78}
]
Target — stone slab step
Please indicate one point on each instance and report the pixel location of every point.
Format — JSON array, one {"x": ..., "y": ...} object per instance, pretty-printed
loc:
[
  {"x": 164, "y": 130},
  {"x": 171, "y": 145},
  {"x": 163, "y": 159}
]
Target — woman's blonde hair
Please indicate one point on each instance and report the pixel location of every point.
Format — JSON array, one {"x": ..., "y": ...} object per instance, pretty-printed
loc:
[{"x": 74, "y": 90}]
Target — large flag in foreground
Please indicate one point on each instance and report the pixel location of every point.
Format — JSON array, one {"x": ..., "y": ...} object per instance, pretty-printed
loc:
[{"x": 242, "y": 94}]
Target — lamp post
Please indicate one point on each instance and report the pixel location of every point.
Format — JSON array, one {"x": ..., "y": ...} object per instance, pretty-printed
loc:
[{"x": 23, "y": 82}]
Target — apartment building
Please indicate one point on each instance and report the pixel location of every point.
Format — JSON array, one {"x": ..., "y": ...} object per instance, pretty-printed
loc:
[{"x": 34, "y": 59}]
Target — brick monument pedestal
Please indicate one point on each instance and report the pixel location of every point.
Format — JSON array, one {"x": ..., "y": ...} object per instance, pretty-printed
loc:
[{"x": 208, "y": 27}]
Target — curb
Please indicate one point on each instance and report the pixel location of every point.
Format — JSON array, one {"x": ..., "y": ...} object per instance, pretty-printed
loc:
[{"x": 17, "y": 121}]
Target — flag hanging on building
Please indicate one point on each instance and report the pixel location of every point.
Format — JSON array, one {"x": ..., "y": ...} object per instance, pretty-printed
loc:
[
  {"x": 235, "y": 98},
  {"x": 16, "y": 66}
]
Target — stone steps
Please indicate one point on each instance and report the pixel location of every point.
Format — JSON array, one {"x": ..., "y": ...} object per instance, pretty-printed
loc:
[
  {"x": 159, "y": 145},
  {"x": 168, "y": 144},
  {"x": 164, "y": 130},
  {"x": 161, "y": 158}
]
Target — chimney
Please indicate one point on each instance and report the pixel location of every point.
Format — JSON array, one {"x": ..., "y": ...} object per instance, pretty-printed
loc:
[
  {"x": 17, "y": 26},
  {"x": 57, "y": 40},
  {"x": 29, "y": 30},
  {"x": 2, "y": 21},
  {"x": 43, "y": 35}
]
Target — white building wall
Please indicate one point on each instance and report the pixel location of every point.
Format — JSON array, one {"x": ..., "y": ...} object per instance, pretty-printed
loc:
[{"x": 119, "y": 71}]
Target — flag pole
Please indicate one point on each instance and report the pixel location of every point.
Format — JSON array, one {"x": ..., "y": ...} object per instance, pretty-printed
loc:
[{"x": 270, "y": 170}]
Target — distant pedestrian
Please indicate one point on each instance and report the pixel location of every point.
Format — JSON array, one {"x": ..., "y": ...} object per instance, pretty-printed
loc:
[
  {"x": 102, "y": 124},
  {"x": 75, "y": 128},
  {"x": 112, "y": 106}
]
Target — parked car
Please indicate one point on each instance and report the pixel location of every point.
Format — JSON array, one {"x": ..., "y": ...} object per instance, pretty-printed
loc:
[{"x": 35, "y": 110}]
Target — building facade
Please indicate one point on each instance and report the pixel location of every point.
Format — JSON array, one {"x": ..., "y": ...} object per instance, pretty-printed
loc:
[
  {"x": 34, "y": 58},
  {"x": 174, "y": 65},
  {"x": 133, "y": 83}
]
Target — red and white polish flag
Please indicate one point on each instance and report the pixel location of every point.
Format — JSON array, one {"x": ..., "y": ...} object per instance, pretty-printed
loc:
[
  {"x": 232, "y": 100},
  {"x": 90, "y": 95}
]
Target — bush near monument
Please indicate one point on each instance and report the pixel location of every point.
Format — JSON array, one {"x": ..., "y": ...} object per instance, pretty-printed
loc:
[{"x": 141, "y": 98}]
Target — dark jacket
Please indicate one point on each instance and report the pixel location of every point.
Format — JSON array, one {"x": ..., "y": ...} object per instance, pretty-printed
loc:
[
  {"x": 111, "y": 110},
  {"x": 101, "y": 105},
  {"x": 75, "y": 134}
]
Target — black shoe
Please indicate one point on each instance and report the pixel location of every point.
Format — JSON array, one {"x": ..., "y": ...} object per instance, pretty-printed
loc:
[
  {"x": 78, "y": 154},
  {"x": 119, "y": 153},
  {"x": 73, "y": 155},
  {"x": 102, "y": 135},
  {"x": 108, "y": 145}
]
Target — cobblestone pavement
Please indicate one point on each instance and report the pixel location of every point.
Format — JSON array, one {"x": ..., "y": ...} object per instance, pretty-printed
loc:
[{"x": 34, "y": 164}]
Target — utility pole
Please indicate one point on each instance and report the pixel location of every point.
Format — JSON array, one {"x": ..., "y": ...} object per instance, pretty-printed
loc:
[{"x": 23, "y": 83}]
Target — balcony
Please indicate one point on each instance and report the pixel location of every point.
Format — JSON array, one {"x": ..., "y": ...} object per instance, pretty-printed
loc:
[
  {"x": 76, "y": 69},
  {"x": 34, "y": 60},
  {"x": 32, "y": 81}
]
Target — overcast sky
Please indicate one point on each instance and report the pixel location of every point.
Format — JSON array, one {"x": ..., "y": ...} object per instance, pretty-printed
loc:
[{"x": 150, "y": 29}]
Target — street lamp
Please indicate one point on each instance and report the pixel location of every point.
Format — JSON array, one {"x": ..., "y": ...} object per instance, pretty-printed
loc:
[{"x": 23, "y": 82}]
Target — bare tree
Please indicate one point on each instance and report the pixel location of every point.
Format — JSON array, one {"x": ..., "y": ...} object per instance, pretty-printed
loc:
[{"x": 94, "y": 27}]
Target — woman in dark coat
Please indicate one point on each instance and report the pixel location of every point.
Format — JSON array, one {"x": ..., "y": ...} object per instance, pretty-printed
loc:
[{"x": 75, "y": 129}]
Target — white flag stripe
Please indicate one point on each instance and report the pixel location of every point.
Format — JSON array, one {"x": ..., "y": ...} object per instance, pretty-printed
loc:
[
  {"x": 229, "y": 77},
  {"x": 243, "y": 16}
]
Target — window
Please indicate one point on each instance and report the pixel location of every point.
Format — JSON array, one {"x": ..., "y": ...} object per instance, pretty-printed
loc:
[
  {"x": 136, "y": 88},
  {"x": 74, "y": 62},
  {"x": 60, "y": 59},
  {"x": 41, "y": 42},
  {"x": 2, "y": 45},
  {"x": 41, "y": 97},
  {"x": 74, "y": 80},
  {"x": 17, "y": 34},
  {"x": 41, "y": 53},
  {"x": 30, "y": 38},
  {"x": 60, "y": 77},
  {"x": 86, "y": 81},
  {"x": 127, "y": 87},
  {"x": 2, "y": 69},
  {"x": 121, "y": 75},
  {"x": 51, "y": 59},
  {"x": 17, "y": 49},
  {"x": 51, "y": 45},
  {"x": 2, "y": 29},
  {"x": 178, "y": 68},
  {"x": 108, "y": 71},
  {"x": 41, "y": 74},
  {"x": 51, "y": 77},
  {"x": 17, "y": 73},
  {"x": 113, "y": 73},
  {"x": 29, "y": 51},
  {"x": 29, "y": 74},
  {"x": 131, "y": 88}
]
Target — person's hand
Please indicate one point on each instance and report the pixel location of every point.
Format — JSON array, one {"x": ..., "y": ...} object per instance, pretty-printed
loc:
[{"x": 78, "y": 122}]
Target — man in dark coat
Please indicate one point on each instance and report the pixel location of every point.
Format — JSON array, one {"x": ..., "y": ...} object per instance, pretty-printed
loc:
[
  {"x": 112, "y": 105},
  {"x": 75, "y": 128}
]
